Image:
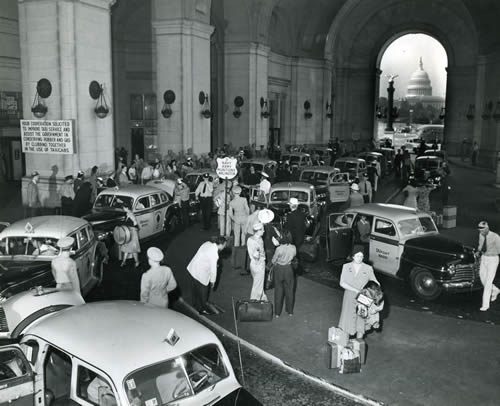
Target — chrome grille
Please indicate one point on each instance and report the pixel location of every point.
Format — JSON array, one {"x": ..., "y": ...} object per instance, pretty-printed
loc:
[
  {"x": 464, "y": 273},
  {"x": 4, "y": 328}
]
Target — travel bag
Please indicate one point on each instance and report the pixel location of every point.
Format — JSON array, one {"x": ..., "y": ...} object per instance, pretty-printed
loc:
[
  {"x": 350, "y": 361},
  {"x": 254, "y": 310}
]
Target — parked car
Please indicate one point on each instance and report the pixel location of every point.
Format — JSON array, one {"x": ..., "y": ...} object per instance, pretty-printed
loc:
[
  {"x": 164, "y": 356},
  {"x": 153, "y": 208},
  {"x": 332, "y": 186},
  {"x": 28, "y": 246},
  {"x": 352, "y": 165},
  {"x": 168, "y": 186},
  {"x": 260, "y": 164},
  {"x": 299, "y": 159},
  {"x": 406, "y": 244},
  {"x": 437, "y": 152},
  {"x": 431, "y": 166},
  {"x": 379, "y": 157}
]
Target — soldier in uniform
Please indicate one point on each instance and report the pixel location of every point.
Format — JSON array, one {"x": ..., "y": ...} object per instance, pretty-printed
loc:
[
  {"x": 238, "y": 212},
  {"x": 158, "y": 281},
  {"x": 204, "y": 192},
  {"x": 64, "y": 268}
]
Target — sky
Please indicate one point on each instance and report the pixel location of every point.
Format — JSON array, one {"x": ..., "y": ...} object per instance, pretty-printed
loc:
[{"x": 401, "y": 58}]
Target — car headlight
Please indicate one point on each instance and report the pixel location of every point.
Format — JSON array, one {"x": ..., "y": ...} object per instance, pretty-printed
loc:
[{"x": 449, "y": 268}]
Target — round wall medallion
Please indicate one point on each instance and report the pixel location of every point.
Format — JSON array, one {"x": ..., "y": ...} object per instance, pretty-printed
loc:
[
  {"x": 95, "y": 89},
  {"x": 169, "y": 96},
  {"x": 238, "y": 101},
  {"x": 307, "y": 105},
  {"x": 201, "y": 98},
  {"x": 44, "y": 88}
]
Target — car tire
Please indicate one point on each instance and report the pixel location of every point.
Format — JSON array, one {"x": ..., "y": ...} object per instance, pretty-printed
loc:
[{"x": 424, "y": 284}]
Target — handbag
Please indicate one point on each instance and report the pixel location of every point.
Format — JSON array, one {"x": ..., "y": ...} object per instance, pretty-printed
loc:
[
  {"x": 350, "y": 361},
  {"x": 254, "y": 310},
  {"x": 269, "y": 280},
  {"x": 363, "y": 304}
]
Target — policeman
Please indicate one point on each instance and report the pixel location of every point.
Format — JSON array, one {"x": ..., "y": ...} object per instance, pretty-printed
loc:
[
  {"x": 204, "y": 192},
  {"x": 238, "y": 212},
  {"x": 64, "y": 268},
  {"x": 158, "y": 281}
]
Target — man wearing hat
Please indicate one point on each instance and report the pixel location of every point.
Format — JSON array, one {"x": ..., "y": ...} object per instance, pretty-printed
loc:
[
  {"x": 365, "y": 188},
  {"x": 64, "y": 268},
  {"x": 355, "y": 198},
  {"x": 181, "y": 196},
  {"x": 93, "y": 183},
  {"x": 489, "y": 249},
  {"x": 203, "y": 271},
  {"x": 67, "y": 196},
  {"x": 296, "y": 223},
  {"x": 264, "y": 185},
  {"x": 33, "y": 196},
  {"x": 222, "y": 200},
  {"x": 158, "y": 281},
  {"x": 204, "y": 192},
  {"x": 80, "y": 178},
  {"x": 257, "y": 254},
  {"x": 238, "y": 212}
]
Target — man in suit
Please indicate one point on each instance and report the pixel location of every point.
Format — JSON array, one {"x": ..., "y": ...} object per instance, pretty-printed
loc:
[{"x": 296, "y": 223}]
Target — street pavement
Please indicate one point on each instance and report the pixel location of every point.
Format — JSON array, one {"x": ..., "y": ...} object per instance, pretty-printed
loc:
[{"x": 418, "y": 357}]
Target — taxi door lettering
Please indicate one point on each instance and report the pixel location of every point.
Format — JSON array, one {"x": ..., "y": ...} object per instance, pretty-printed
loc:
[{"x": 144, "y": 221}]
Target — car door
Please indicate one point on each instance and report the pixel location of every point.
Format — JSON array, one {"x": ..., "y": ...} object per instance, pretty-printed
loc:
[
  {"x": 339, "y": 238},
  {"x": 159, "y": 207},
  {"x": 384, "y": 246},
  {"x": 144, "y": 216},
  {"x": 338, "y": 187},
  {"x": 84, "y": 257},
  {"x": 16, "y": 378}
]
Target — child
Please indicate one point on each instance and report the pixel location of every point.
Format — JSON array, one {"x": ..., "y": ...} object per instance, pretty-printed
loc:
[{"x": 370, "y": 303}]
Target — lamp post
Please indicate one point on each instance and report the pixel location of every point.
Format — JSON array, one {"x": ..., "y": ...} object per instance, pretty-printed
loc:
[
  {"x": 411, "y": 114},
  {"x": 390, "y": 103}
]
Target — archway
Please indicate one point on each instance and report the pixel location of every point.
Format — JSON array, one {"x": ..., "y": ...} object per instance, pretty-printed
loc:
[{"x": 363, "y": 30}]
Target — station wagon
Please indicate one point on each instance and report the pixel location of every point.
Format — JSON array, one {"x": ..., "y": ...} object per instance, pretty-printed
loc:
[
  {"x": 406, "y": 244},
  {"x": 299, "y": 159},
  {"x": 331, "y": 185},
  {"x": 354, "y": 166}
]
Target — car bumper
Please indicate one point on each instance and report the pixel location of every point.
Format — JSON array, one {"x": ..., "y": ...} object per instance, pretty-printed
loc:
[{"x": 461, "y": 286}]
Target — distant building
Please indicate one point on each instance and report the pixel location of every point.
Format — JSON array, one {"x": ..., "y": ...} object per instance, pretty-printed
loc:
[{"x": 419, "y": 89}]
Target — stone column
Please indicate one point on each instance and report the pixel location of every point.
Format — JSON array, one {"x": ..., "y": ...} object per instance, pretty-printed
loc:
[
  {"x": 183, "y": 65},
  {"x": 246, "y": 75},
  {"x": 68, "y": 43}
]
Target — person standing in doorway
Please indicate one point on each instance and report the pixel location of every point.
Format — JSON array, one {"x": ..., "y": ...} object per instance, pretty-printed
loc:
[
  {"x": 489, "y": 249},
  {"x": 33, "y": 195},
  {"x": 204, "y": 192},
  {"x": 158, "y": 281},
  {"x": 203, "y": 271}
]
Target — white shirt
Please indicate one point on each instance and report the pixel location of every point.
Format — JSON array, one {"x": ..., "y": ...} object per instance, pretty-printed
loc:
[
  {"x": 265, "y": 186},
  {"x": 203, "y": 266},
  {"x": 204, "y": 189}
]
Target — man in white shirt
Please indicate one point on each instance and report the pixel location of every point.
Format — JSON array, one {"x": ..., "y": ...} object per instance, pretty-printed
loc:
[
  {"x": 489, "y": 248},
  {"x": 264, "y": 185},
  {"x": 205, "y": 192},
  {"x": 203, "y": 271}
]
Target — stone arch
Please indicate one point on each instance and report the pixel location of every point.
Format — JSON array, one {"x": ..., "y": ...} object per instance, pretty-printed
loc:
[{"x": 362, "y": 31}]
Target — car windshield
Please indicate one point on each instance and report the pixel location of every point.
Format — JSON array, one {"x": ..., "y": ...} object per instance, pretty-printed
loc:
[
  {"x": 247, "y": 165},
  {"x": 292, "y": 159},
  {"x": 427, "y": 164},
  {"x": 182, "y": 377},
  {"x": 35, "y": 246},
  {"x": 285, "y": 195},
  {"x": 113, "y": 202},
  {"x": 314, "y": 178},
  {"x": 346, "y": 166},
  {"x": 416, "y": 225}
]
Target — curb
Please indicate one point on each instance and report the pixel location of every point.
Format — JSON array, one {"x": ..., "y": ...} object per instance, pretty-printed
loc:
[{"x": 275, "y": 360}]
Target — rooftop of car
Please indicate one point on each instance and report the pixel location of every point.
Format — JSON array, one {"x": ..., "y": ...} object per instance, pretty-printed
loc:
[
  {"x": 424, "y": 157},
  {"x": 349, "y": 159},
  {"x": 295, "y": 154},
  {"x": 393, "y": 212},
  {"x": 373, "y": 153},
  {"x": 304, "y": 186},
  {"x": 130, "y": 190},
  {"x": 44, "y": 226},
  {"x": 129, "y": 331},
  {"x": 200, "y": 172},
  {"x": 322, "y": 169},
  {"x": 262, "y": 161}
]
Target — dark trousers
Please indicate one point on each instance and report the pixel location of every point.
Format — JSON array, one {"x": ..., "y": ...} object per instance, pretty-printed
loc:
[
  {"x": 185, "y": 213},
  {"x": 199, "y": 293},
  {"x": 284, "y": 280},
  {"x": 206, "y": 211}
]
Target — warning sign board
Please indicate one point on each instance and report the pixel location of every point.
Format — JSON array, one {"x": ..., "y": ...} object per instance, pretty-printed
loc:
[
  {"x": 226, "y": 168},
  {"x": 47, "y": 137}
]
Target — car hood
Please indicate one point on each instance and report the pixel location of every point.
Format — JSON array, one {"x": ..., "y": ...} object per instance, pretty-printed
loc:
[
  {"x": 238, "y": 397},
  {"x": 97, "y": 217},
  {"x": 17, "y": 275},
  {"x": 437, "y": 243}
]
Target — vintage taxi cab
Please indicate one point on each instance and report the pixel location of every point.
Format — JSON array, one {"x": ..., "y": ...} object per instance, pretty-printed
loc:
[
  {"x": 431, "y": 167},
  {"x": 406, "y": 244},
  {"x": 259, "y": 164},
  {"x": 354, "y": 166},
  {"x": 164, "y": 357},
  {"x": 332, "y": 186},
  {"x": 153, "y": 208},
  {"x": 28, "y": 246},
  {"x": 374, "y": 156},
  {"x": 299, "y": 159}
]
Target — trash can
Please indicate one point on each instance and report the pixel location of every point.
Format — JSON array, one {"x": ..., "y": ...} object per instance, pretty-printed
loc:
[{"x": 449, "y": 216}]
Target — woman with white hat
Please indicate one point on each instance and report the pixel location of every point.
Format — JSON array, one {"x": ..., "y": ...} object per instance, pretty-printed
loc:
[
  {"x": 131, "y": 247},
  {"x": 257, "y": 254},
  {"x": 158, "y": 281},
  {"x": 355, "y": 198}
]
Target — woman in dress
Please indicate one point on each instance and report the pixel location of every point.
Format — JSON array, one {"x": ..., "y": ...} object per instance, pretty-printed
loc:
[
  {"x": 353, "y": 279},
  {"x": 423, "y": 192},
  {"x": 284, "y": 276},
  {"x": 132, "y": 247},
  {"x": 410, "y": 194}
]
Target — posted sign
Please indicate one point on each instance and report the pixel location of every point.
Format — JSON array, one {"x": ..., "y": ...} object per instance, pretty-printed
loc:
[
  {"x": 226, "y": 168},
  {"x": 47, "y": 137}
]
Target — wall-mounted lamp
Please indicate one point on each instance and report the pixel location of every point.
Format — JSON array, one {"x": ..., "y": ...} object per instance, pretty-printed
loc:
[
  {"x": 43, "y": 90},
  {"x": 168, "y": 99},
  {"x": 96, "y": 91},
  {"x": 496, "y": 114},
  {"x": 329, "y": 112},
  {"x": 264, "y": 111},
  {"x": 203, "y": 99},
  {"x": 488, "y": 108},
  {"x": 442, "y": 114},
  {"x": 471, "y": 112},
  {"x": 307, "y": 108},
  {"x": 238, "y": 102}
]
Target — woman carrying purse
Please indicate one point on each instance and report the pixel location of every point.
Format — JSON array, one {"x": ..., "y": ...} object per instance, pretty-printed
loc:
[
  {"x": 132, "y": 247},
  {"x": 284, "y": 275}
]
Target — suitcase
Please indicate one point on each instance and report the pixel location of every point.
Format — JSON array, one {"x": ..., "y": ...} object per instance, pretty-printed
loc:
[
  {"x": 350, "y": 362},
  {"x": 254, "y": 310},
  {"x": 359, "y": 345},
  {"x": 333, "y": 351}
]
